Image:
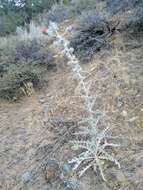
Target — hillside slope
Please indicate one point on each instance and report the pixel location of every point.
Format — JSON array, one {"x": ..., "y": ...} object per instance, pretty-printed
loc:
[{"x": 36, "y": 129}]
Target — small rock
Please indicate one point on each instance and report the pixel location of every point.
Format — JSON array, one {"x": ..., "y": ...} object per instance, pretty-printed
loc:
[
  {"x": 133, "y": 119},
  {"x": 119, "y": 101},
  {"x": 41, "y": 100},
  {"x": 124, "y": 113},
  {"x": 27, "y": 177},
  {"x": 52, "y": 171},
  {"x": 67, "y": 170},
  {"x": 70, "y": 185}
]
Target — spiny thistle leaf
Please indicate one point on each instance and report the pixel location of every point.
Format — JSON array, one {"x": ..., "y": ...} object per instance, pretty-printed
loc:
[{"x": 94, "y": 151}]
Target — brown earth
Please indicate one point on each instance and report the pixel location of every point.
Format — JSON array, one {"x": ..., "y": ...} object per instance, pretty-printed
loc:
[{"x": 37, "y": 128}]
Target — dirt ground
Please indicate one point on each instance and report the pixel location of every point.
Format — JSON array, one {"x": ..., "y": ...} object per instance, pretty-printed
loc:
[{"x": 37, "y": 128}]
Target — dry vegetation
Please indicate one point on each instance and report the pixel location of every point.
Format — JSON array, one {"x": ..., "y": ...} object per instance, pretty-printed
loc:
[
  {"x": 24, "y": 59},
  {"x": 36, "y": 132}
]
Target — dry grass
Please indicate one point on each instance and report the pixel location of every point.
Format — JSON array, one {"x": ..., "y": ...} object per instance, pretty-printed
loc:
[{"x": 117, "y": 82}]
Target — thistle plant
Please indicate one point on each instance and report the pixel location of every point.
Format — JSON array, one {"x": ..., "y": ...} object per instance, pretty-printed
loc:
[
  {"x": 94, "y": 148},
  {"x": 92, "y": 142}
]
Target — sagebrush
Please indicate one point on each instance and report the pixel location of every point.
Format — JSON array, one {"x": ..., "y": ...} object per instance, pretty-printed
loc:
[
  {"x": 21, "y": 62},
  {"x": 91, "y": 35}
]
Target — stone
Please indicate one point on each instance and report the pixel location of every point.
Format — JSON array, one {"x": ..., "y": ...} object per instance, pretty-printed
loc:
[
  {"x": 119, "y": 101},
  {"x": 52, "y": 171},
  {"x": 27, "y": 177}
]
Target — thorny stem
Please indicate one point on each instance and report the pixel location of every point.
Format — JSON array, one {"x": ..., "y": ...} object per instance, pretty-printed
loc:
[
  {"x": 89, "y": 102},
  {"x": 77, "y": 70}
]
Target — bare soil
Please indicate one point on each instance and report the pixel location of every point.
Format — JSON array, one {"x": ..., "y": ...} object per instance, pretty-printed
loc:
[{"x": 37, "y": 128}]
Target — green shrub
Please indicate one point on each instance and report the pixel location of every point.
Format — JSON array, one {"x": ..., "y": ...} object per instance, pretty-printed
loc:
[
  {"x": 7, "y": 26},
  {"x": 133, "y": 26},
  {"x": 83, "y": 5},
  {"x": 91, "y": 35},
  {"x": 120, "y": 6},
  {"x": 59, "y": 13},
  {"x": 71, "y": 9},
  {"x": 26, "y": 63}
]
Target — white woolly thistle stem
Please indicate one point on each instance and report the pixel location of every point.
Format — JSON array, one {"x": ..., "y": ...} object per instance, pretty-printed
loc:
[
  {"x": 95, "y": 147},
  {"x": 74, "y": 64}
]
